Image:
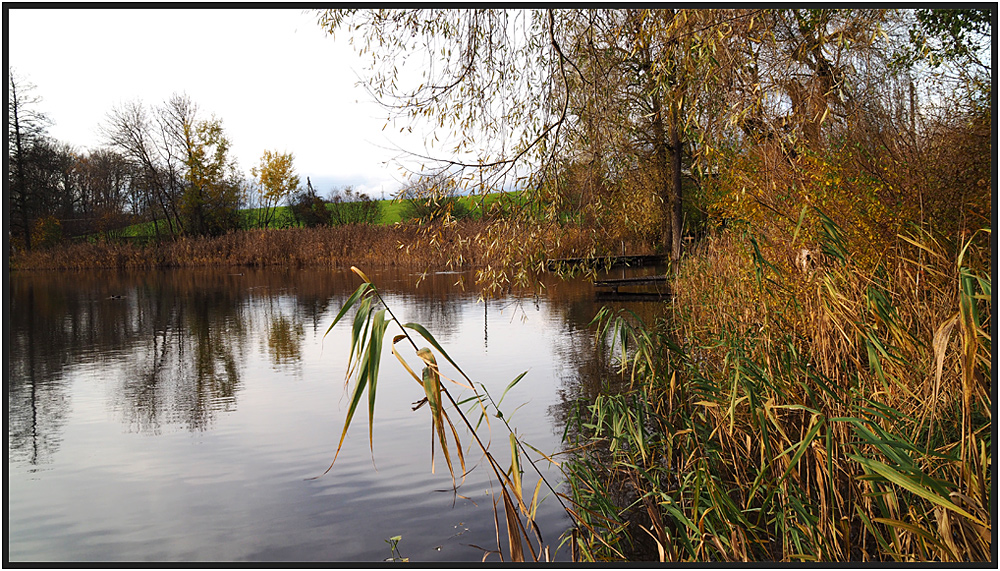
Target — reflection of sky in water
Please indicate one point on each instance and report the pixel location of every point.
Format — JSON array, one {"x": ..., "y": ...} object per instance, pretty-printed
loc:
[{"x": 183, "y": 424}]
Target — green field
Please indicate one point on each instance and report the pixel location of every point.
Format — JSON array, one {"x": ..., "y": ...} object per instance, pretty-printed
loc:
[{"x": 391, "y": 211}]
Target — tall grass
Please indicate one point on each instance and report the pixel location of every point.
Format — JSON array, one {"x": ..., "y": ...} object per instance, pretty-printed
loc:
[
  {"x": 342, "y": 246},
  {"x": 839, "y": 414},
  {"x": 505, "y": 253}
]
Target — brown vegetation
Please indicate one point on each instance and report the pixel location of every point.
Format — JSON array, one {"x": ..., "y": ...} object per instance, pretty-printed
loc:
[{"x": 455, "y": 245}]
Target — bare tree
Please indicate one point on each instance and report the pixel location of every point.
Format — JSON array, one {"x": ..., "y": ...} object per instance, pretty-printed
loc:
[
  {"x": 129, "y": 129},
  {"x": 26, "y": 133}
]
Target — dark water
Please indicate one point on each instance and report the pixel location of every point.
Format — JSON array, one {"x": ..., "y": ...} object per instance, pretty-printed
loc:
[{"x": 178, "y": 416}]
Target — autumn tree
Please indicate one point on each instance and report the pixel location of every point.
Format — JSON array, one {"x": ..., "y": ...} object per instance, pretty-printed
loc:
[
  {"x": 48, "y": 176},
  {"x": 274, "y": 181},
  {"x": 211, "y": 197},
  {"x": 646, "y": 86},
  {"x": 104, "y": 193},
  {"x": 182, "y": 163},
  {"x": 482, "y": 72}
]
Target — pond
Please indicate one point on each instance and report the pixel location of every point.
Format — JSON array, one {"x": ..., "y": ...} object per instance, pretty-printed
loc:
[{"x": 184, "y": 415}]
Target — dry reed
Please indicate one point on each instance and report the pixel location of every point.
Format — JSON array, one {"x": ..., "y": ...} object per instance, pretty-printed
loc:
[
  {"x": 374, "y": 246},
  {"x": 836, "y": 414}
]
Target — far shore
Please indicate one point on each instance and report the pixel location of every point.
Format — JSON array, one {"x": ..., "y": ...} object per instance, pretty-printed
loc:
[{"x": 452, "y": 247}]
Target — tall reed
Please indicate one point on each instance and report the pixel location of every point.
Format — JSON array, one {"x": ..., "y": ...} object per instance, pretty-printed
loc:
[
  {"x": 835, "y": 414},
  {"x": 375, "y": 246}
]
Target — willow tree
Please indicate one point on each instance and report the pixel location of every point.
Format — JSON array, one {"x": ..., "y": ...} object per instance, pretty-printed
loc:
[
  {"x": 516, "y": 96},
  {"x": 647, "y": 98}
]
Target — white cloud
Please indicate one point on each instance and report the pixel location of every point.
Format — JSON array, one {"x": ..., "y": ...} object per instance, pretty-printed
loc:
[{"x": 273, "y": 76}]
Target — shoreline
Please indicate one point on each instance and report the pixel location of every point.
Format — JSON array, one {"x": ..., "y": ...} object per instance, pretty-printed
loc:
[
  {"x": 288, "y": 247},
  {"x": 463, "y": 245}
]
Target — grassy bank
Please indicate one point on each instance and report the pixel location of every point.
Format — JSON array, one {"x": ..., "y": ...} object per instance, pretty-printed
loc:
[{"x": 842, "y": 413}]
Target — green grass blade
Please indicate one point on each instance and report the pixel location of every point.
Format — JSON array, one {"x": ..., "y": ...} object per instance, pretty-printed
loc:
[
  {"x": 374, "y": 357},
  {"x": 903, "y": 481},
  {"x": 510, "y": 386},
  {"x": 358, "y": 293},
  {"x": 803, "y": 446}
]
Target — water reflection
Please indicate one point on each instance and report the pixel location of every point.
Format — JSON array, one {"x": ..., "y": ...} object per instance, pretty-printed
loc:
[
  {"x": 230, "y": 371},
  {"x": 178, "y": 339},
  {"x": 284, "y": 341}
]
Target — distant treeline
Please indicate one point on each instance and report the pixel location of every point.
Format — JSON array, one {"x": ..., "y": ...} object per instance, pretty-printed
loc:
[{"x": 166, "y": 172}]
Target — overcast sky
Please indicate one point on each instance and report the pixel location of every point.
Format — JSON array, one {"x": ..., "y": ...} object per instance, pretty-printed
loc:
[{"x": 273, "y": 76}]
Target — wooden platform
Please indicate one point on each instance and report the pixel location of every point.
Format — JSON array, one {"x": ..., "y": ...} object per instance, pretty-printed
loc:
[
  {"x": 611, "y": 261},
  {"x": 614, "y": 284},
  {"x": 609, "y": 289}
]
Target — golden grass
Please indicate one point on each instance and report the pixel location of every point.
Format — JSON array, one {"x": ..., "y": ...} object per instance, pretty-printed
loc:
[
  {"x": 836, "y": 415},
  {"x": 373, "y": 246},
  {"x": 506, "y": 253}
]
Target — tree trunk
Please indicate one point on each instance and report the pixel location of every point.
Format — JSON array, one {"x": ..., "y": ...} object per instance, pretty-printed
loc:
[
  {"x": 675, "y": 158},
  {"x": 22, "y": 185},
  {"x": 662, "y": 159}
]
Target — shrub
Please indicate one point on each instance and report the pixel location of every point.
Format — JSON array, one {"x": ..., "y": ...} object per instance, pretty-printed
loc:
[
  {"x": 308, "y": 208},
  {"x": 349, "y": 207},
  {"x": 47, "y": 232}
]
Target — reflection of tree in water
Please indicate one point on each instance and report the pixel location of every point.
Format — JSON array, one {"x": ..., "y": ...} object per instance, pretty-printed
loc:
[
  {"x": 37, "y": 400},
  {"x": 172, "y": 341},
  {"x": 141, "y": 398},
  {"x": 283, "y": 316},
  {"x": 187, "y": 366},
  {"x": 437, "y": 302},
  {"x": 216, "y": 336},
  {"x": 284, "y": 341}
]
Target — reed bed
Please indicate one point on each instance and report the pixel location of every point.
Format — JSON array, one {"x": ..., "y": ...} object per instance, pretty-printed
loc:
[
  {"x": 841, "y": 413},
  {"x": 376, "y": 246},
  {"x": 505, "y": 252}
]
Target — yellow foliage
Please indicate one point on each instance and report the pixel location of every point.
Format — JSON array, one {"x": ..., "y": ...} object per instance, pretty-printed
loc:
[
  {"x": 275, "y": 176},
  {"x": 770, "y": 192}
]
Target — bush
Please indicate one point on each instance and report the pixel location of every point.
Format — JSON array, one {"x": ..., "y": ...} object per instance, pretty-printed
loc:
[
  {"x": 308, "y": 208},
  {"x": 47, "y": 232},
  {"x": 349, "y": 207}
]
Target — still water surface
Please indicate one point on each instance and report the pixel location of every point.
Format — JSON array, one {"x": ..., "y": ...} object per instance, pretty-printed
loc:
[{"x": 179, "y": 416}]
